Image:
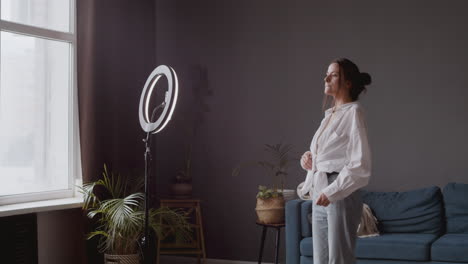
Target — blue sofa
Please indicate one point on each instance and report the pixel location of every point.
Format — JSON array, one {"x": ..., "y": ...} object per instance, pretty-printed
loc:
[{"x": 419, "y": 226}]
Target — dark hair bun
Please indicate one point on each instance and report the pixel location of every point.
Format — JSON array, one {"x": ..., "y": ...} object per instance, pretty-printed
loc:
[{"x": 365, "y": 78}]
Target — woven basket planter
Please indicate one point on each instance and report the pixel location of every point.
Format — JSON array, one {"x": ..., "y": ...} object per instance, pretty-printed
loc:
[
  {"x": 270, "y": 211},
  {"x": 121, "y": 259}
]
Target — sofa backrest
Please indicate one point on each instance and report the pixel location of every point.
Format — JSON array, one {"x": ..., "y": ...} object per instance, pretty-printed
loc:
[
  {"x": 415, "y": 211},
  {"x": 306, "y": 220},
  {"x": 456, "y": 207}
]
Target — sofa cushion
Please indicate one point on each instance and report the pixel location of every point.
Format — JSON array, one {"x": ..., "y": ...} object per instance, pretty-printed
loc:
[
  {"x": 386, "y": 261},
  {"x": 396, "y": 246},
  {"x": 306, "y": 260},
  {"x": 451, "y": 247},
  {"x": 456, "y": 207},
  {"x": 310, "y": 260},
  {"x": 388, "y": 246},
  {"x": 415, "y": 211},
  {"x": 306, "y": 247},
  {"x": 440, "y": 262}
]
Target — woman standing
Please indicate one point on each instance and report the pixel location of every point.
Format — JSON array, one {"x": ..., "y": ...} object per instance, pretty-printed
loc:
[{"x": 338, "y": 164}]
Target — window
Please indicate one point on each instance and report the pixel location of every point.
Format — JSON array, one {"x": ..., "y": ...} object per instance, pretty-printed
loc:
[{"x": 39, "y": 146}]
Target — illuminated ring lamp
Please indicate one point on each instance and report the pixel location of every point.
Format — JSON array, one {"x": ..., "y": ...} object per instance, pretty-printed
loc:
[
  {"x": 150, "y": 127},
  {"x": 168, "y": 104}
]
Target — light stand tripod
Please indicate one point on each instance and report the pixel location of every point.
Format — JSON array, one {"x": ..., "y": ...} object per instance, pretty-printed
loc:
[{"x": 150, "y": 127}]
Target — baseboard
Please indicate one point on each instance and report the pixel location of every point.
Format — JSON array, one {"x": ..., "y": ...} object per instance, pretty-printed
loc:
[{"x": 192, "y": 260}]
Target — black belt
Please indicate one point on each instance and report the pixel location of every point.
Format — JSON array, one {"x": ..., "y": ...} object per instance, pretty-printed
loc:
[{"x": 332, "y": 173}]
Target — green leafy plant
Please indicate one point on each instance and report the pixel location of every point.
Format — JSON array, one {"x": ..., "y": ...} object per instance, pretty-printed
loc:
[
  {"x": 117, "y": 206},
  {"x": 265, "y": 193},
  {"x": 277, "y": 165}
]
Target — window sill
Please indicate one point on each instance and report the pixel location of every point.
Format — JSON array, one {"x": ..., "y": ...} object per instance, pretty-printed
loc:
[{"x": 41, "y": 206}]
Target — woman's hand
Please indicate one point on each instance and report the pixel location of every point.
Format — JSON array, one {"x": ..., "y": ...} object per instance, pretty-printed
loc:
[
  {"x": 306, "y": 161},
  {"x": 323, "y": 200}
]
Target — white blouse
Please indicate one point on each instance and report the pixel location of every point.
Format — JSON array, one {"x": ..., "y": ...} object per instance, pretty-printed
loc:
[{"x": 343, "y": 147}]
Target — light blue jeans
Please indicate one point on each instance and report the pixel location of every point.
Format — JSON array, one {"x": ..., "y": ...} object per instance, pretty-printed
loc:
[{"x": 334, "y": 229}]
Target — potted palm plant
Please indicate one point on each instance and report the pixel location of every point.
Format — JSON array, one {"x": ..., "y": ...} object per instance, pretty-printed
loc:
[
  {"x": 270, "y": 201},
  {"x": 117, "y": 205}
]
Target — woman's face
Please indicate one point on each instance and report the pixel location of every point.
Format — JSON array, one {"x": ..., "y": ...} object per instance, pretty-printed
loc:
[{"x": 332, "y": 80}]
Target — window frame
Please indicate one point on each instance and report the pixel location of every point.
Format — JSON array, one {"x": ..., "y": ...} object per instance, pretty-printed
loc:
[{"x": 74, "y": 158}]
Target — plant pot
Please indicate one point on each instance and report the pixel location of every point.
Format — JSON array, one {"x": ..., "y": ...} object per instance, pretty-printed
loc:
[
  {"x": 270, "y": 211},
  {"x": 121, "y": 259},
  {"x": 181, "y": 190}
]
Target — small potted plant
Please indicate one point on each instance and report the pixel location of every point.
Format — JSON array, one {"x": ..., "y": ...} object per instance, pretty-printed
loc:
[
  {"x": 118, "y": 209},
  {"x": 182, "y": 188},
  {"x": 270, "y": 201},
  {"x": 270, "y": 206}
]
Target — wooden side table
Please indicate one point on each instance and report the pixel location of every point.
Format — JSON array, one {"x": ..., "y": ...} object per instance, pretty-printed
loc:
[
  {"x": 262, "y": 243},
  {"x": 191, "y": 209}
]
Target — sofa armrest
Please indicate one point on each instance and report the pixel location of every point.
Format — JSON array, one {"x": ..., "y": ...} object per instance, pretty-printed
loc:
[{"x": 293, "y": 231}]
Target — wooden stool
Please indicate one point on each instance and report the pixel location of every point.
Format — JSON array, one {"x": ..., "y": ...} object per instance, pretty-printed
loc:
[
  {"x": 262, "y": 243},
  {"x": 191, "y": 209}
]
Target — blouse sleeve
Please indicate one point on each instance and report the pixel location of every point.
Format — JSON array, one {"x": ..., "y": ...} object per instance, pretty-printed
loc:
[{"x": 357, "y": 169}]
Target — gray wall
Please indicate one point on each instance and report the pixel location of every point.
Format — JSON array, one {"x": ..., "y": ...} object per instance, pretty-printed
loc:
[{"x": 266, "y": 61}]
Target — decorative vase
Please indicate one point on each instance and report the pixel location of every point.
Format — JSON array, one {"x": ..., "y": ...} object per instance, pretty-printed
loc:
[
  {"x": 121, "y": 259},
  {"x": 181, "y": 190},
  {"x": 270, "y": 211}
]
